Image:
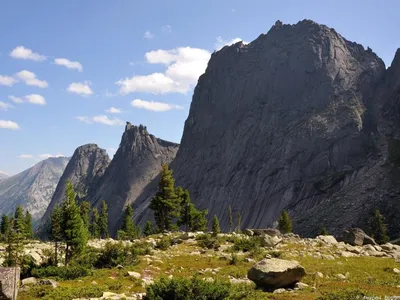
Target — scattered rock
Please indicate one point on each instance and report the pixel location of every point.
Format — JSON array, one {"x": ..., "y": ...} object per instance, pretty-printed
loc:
[
  {"x": 341, "y": 276},
  {"x": 328, "y": 239},
  {"x": 134, "y": 274},
  {"x": 301, "y": 285},
  {"x": 50, "y": 282},
  {"x": 270, "y": 241},
  {"x": 327, "y": 257},
  {"x": 356, "y": 237},
  {"x": 249, "y": 232},
  {"x": 29, "y": 281},
  {"x": 347, "y": 254},
  {"x": 397, "y": 271},
  {"x": 279, "y": 291},
  {"x": 276, "y": 273},
  {"x": 119, "y": 267},
  {"x": 319, "y": 275}
]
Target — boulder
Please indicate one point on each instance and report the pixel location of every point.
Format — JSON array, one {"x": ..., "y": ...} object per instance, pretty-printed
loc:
[
  {"x": 328, "y": 239},
  {"x": 29, "y": 281},
  {"x": 134, "y": 274},
  {"x": 276, "y": 273},
  {"x": 249, "y": 232},
  {"x": 270, "y": 241},
  {"x": 49, "y": 282},
  {"x": 267, "y": 231},
  {"x": 356, "y": 237}
]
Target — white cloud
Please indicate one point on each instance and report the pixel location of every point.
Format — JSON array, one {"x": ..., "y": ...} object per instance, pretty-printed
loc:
[
  {"x": 148, "y": 35},
  {"x": 8, "y": 125},
  {"x": 101, "y": 119},
  {"x": 113, "y": 110},
  {"x": 166, "y": 28},
  {"x": 69, "y": 64},
  {"x": 183, "y": 67},
  {"x": 3, "y": 173},
  {"x": 80, "y": 88},
  {"x": 35, "y": 99},
  {"x": 21, "y": 52},
  {"x": 221, "y": 43},
  {"x": 25, "y": 156},
  {"x": 46, "y": 156},
  {"x": 154, "y": 106},
  {"x": 7, "y": 80},
  {"x": 111, "y": 151},
  {"x": 30, "y": 79},
  {"x": 15, "y": 99},
  {"x": 5, "y": 106}
]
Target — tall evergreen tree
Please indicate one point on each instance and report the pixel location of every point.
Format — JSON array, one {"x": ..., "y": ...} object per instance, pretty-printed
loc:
[
  {"x": 285, "y": 223},
  {"x": 148, "y": 228},
  {"x": 94, "y": 224},
  {"x": 165, "y": 204},
  {"x": 103, "y": 222},
  {"x": 377, "y": 228},
  {"x": 187, "y": 209},
  {"x": 128, "y": 229},
  {"x": 57, "y": 232},
  {"x": 84, "y": 208},
  {"x": 5, "y": 226},
  {"x": 28, "y": 225},
  {"x": 215, "y": 226},
  {"x": 19, "y": 220},
  {"x": 230, "y": 218},
  {"x": 75, "y": 233},
  {"x": 199, "y": 220},
  {"x": 15, "y": 239}
]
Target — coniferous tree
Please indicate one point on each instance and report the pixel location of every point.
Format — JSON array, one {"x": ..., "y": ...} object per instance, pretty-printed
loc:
[
  {"x": 94, "y": 224},
  {"x": 84, "y": 208},
  {"x": 239, "y": 223},
  {"x": 128, "y": 229},
  {"x": 57, "y": 232},
  {"x": 215, "y": 226},
  {"x": 103, "y": 221},
  {"x": 377, "y": 227},
  {"x": 187, "y": 209},
  {"x": 75, "y": 233},
  {"x": 230, "y": 218},
  {"x": 5, "y": 226},
  {"x": 165, "y": 204},
  {"x": 285, "y": 223},
  {"x": 15, "y": 239},
  {"x": 148, "y": 228},
  {"x": 199, "y": 220},
  {"x": 324, "y": 231},
  {"x": 19, "y": 220},
  {"x": 28, "y": 225}
]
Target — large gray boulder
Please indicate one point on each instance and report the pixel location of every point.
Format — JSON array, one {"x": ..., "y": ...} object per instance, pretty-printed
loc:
[
  {"x": 276, "y": 273},
  {"x": 356, "y": 237}
]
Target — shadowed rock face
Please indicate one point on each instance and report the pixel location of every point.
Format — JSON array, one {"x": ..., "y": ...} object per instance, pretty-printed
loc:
[
  {"x": 85, "y": 168},
  {"x": 135, "y": 165},
  {"x": 32, "y": 188},
  {"x": 284, "y": 122}
]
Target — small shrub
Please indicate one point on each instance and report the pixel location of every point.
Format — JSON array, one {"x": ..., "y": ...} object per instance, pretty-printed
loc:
[
  {"x": 117, "y": 254},
  {"x": 63, "y": 273},
  {"x": 142, "y": 248},
  {"x": 275, "y": 254},
  {"x": 234, "y": 259},
  {"x": 185, "y": 288},
  {"x": 164, "y": 243},
  {"x": 209, "y": 242},
  {"x": 246, "y": 245},
  {"x": 64, "y": 293}
]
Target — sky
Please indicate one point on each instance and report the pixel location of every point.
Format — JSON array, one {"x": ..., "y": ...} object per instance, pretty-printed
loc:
[{"x": 73, "y": 72}]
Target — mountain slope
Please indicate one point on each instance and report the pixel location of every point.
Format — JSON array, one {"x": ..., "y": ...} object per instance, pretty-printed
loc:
[
  {"x": 3, "y": 176},
  {"x": 84, "y": 169},
  {"x": 284, "y": 122},
  {"x": 32, "y": 188}
]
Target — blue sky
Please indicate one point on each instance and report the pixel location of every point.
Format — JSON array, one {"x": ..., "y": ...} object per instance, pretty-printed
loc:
[{"x": 72, "y": 72}]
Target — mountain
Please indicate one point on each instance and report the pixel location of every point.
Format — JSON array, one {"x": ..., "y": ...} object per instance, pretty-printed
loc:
[
  {"x": 32, "y": 188},
  {"x": 292, "y": 121},
  {"x": 84, "y": 170},
  {"x": 128, "y": 178},
  {"x": 3, "y": 176}
]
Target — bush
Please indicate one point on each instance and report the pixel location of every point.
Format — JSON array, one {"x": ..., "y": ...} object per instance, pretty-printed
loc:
[
  {"x": 234, "y": 259},
  {"x": 64, "y": 273},
  {"x": 343, "y": 295},
  {"x": 115, "y": 254},
  {"x": 185, "y": 288},
  {"x": 209, "y": 242},
  {"x": 164, "y": 243},
  {"x": 64, "y": 293},
  {"x": 246, "y": 245}
]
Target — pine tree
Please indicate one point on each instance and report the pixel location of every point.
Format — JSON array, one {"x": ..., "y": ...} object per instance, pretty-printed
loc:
[
  {"x": 148, "y": 228},
  {"x": 15, "y": 239},
  {"x": 5, "y": 226},
  {"x": 165, "y": 204},
  {"x": 94, "y": 224},
  {"x": 285, "y": 223},
  {"x": 84, "y": 208},
  {"x": 128, "y": 229},
  {"x": 230, "y": 218},
  {"x": 215, "y": 226},
  {"x": 199, "y": 220},
  {"x": 187, "y": 209},
  {"x": 324, "y": 231},
  {"x": 28, "y": 225},
  {"x": 103, "y": 221},
  {"x": 239, "y": 223},
  {"x": 57, "y": 233},
  {"x": 19, "y": 220},
  {"x": 75, "y": 233},
  {"x": 378, "y": 229}
]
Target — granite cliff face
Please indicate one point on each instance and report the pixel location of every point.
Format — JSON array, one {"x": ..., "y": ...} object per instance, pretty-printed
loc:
[
  {"x": 32, "y": 188},
  {"x": 134, "y": 167},
  {"x": 289, "y": 121},
  {"x": 84, "y": 170}
]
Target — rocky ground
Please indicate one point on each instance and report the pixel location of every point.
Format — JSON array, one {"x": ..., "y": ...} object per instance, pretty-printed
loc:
[{"x": 311, "y": 268}]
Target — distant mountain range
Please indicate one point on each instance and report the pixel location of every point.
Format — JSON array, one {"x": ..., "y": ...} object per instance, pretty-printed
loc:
[
  {"x": 32, "y": 188},
  {"x": 3, "y": 176}
]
